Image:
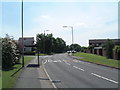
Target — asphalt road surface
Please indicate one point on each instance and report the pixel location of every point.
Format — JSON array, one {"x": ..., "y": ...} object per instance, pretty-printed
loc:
[{"x": 67, "y": 72}]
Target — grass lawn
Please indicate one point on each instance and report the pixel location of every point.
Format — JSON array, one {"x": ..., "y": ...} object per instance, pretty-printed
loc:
[
  {"x": 9, "y": 81},
  {"x": 0, "y": 81},
  {"x": 98, "y": 59},
  {"x": 42, "y": 54}
]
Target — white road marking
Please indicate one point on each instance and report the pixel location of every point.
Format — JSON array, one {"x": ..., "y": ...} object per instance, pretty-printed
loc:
[
  {"x": 45, "y": 62},
  {"x": 67, "y": 63},
  {"x": 49, "y": 76},
  {"x": 104, "y": 78},
  {"x": 54, "y": 61},
  {"x": 79, "y": 68}
]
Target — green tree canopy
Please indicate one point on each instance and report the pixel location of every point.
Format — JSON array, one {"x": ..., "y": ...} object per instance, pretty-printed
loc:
[
  {"x": 117, "y": 51},
  {"x": 48, "y": 44},
  {"x": 75, "y": 47},
  {"x": 109, "y": 48}
]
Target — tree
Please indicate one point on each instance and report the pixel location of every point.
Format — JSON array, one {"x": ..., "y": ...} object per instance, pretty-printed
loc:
[
  {"x": 48, "y": 44},
  {"x": 83, "y": 49},
  {"x": 90, "y": 47},
  {"x": 109, "y": 48},
  {"x": 75, "y": 47},
  {"x": 60, "y": 45},
  {"x": 10, "y": 53},
  {"x": 117, "y": 51},
  {"x": 68, "y": 48}
]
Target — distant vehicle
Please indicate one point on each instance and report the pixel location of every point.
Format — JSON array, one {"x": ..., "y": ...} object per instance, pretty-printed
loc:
[
  {"x": 68, "y": 52},
  {"x": 73, "y": 51}
]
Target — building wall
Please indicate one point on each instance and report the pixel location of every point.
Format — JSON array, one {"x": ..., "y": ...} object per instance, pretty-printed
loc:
[
  {"x": 28, "y": 43},
  {"x": 99, "y": 43}
]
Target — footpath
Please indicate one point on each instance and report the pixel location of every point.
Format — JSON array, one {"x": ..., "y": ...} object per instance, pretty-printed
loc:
[{"x": 33, "y": 76}]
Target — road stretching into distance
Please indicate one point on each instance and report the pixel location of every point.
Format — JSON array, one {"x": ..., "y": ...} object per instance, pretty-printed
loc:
[{"x": 67, "y": 72}]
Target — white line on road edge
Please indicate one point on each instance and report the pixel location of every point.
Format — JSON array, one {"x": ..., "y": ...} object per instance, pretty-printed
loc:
[
  {"x": 48, "y": 76},
  {"x": 79, "y": 68},
  {"x": 104, "y": 78}
]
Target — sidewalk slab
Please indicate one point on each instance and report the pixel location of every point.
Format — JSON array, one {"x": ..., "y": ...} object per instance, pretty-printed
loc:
[{"x": 33, "y": 76}]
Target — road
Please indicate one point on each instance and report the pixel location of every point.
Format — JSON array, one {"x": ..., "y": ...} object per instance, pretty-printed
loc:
[{"x": 67, "y": 72}]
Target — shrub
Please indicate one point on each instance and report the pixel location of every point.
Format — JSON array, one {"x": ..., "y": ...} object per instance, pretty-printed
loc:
[
  {"x": 109, "y": 48},
  {"x": 117, "y": 51},
  {"x": 10, "y": 53}
]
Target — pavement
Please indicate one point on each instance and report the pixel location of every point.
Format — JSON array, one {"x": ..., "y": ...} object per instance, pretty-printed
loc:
[
  {"x": 67, "y": 72},
  {"x": 33, "y": 76}
]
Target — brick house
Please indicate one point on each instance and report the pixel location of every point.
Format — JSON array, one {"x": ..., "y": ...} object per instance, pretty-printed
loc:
[{"x": 98, "y": 46}]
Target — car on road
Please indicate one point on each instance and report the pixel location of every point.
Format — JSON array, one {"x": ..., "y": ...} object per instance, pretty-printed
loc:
[{"x": 73, "y": 51}]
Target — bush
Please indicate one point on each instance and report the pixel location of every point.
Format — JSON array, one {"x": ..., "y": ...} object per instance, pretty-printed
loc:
[
  {"x": 10, "y": 53},
  {"x": 117, "y": 51},
  {"x": 109, "y": 48}
]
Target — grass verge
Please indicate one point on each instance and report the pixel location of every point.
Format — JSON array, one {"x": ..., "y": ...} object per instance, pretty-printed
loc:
[
  {"x": 0, "y": 81},
  {"x": 7, "y": 80},
  {"x": 98, "y": 59},
  {"x": 42, "y": 54}
]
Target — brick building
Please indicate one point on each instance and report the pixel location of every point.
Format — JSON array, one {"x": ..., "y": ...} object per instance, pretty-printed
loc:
[{"x": 98, "y": 46}]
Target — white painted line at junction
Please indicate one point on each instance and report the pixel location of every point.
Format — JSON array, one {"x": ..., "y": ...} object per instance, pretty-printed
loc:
[
  {"x": 45, "y": 62},
  {"x": 79, "y": 68},
  {"x": 67, "y": 63},
  {"x": 104, "y": 78}
]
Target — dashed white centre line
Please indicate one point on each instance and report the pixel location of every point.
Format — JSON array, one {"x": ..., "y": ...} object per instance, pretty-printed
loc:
[
  {"x": 79, "y": 68},
  {"x": 104, "y": 78}
]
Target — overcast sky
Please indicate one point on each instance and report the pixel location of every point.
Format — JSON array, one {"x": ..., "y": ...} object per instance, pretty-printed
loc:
[{"x": 90, "y": 20}]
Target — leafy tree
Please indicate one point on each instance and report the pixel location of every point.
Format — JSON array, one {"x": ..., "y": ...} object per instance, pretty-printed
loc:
[
  {"x": 109, "y": 48},
  {"x": 75, "y": 47},
  {"x": 68, "y": 48},
  {"x": 90, "y": 47},
  {"x": 117, "y": 51},
  {"x": 83, "y": 49},
  {"x": 48, "y": 44},
  {"x": 10, "y": 53},
  {"x": 60, "y": 45}
]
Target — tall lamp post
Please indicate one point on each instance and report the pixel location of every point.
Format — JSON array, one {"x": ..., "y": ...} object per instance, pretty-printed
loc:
[
  {"x": 22, "y": 35},
  {"x": 72, "y": 32}
]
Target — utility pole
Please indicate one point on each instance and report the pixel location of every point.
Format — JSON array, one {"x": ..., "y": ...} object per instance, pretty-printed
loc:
[{"x": 72, "y": 34}]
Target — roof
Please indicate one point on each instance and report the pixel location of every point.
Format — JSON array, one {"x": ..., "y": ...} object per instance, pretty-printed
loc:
[
  {"x": 27, "y": 37},
  {"x": 102, "y": 40}
]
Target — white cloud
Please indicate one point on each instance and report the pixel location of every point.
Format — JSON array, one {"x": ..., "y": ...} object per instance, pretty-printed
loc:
[{"x": 45, "y": 16}]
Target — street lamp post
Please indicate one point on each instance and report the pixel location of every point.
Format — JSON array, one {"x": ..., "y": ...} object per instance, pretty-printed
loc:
[
  {"x": 22, "y": 35},
  {"x": 72, "y": 33}
]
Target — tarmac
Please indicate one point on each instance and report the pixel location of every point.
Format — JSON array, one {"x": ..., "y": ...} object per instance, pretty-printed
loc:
[{"x": 33, "y": 76}]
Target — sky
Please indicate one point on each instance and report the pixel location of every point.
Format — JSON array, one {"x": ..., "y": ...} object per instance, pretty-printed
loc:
[{"x": 90, "y": 20}]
